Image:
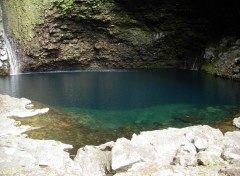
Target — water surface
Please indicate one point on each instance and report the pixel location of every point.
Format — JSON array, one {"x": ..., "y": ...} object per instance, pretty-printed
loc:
[{"x": 91, "y": 107}]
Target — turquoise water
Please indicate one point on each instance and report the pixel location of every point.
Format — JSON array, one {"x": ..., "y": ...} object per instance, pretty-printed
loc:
[
  {"x": 176, "y": 115},
  {"x": 92, "y": 107}
]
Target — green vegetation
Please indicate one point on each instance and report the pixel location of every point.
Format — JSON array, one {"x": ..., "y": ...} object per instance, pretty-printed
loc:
[
  {"x": 66, "y": 6},
  {"x": 23, "y": 16},
  {"x": 208, "y": 67}
]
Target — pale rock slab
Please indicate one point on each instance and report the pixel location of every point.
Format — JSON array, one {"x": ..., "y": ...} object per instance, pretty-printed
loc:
[
  {"x": 159, "y": 146},
  {"x": 232, "y": 147},
  {"x": 231, "y": 171},
  {"x": 23, "y": 156},
  {"x": 91, "y": 161},
  {"x": 200, "y": 143},
  {"x": 124, "y": 154},
  {"x": 186, "y": 155},
  {"x": 28, "y": 112},
  {"x": 236, "y": 122}
]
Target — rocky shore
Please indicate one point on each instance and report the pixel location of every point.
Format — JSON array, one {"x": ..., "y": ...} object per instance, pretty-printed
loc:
[{"x": 196, "y": 150}]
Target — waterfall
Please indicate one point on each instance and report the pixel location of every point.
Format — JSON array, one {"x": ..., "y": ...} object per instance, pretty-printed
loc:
[
  {"x": 12, "y": 55},
  {"x": 194, "y": 65},
  {"x": 10, "y": 45}
]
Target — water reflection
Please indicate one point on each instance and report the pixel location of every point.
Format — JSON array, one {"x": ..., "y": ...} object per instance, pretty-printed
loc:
[
  {"x": 122, "y": 90},
  {"x": 96, "y": 107}
]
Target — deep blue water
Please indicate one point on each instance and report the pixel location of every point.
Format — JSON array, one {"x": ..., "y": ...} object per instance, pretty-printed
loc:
[{"x": 116, "y": 98}]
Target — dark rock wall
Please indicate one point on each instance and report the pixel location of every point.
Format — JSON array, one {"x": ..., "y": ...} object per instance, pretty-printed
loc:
[
  {"x": 223, "y": 58},
  {"x": 79, "y": 34}
]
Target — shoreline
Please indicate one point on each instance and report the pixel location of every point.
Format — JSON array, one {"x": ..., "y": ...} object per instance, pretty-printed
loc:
[{"x": 197, "y": 149}]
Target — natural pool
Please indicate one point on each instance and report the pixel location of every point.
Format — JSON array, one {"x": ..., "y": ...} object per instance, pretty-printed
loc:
[{"x": 92, "y": 107}]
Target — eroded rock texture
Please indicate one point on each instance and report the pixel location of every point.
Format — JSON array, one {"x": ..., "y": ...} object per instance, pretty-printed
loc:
[{"x": 79, "y": 34}]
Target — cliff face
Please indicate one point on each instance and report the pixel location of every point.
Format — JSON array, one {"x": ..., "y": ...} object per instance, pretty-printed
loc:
[
  {"x": 106, "y": 33},
  {"x": 73, "y": 34}
]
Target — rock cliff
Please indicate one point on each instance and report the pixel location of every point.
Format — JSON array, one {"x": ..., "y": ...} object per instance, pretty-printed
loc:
[
  {"x": 79, "y": 34},
  {"x": 223, "y": 58}
]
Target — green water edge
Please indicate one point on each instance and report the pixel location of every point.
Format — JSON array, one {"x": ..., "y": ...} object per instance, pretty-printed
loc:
[{"x": 81, "y": 127}]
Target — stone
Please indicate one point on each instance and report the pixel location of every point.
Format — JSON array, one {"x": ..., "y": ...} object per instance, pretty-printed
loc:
[
  {"x": 51, "y": 154},
  {"x": 1, "y": 64},
  {"x": 20, "y": 155},
  {"x": 207, "y": 158},
  {"x": 29, "y": 106},
  {"x": 124, "y": 154},
  {"x": 231, "y": 171},
  {"x": 232, "y": 147},
  {"x": 237, "y": 60},
  {"x": 90, "y": 160},
  {"x": 200, "y": 143},
  {"x": 225, "y": 62},
  {"x": 3, "y": 52},
  {"x": 236, "y": 122},
  {"x": 186, "y": 155},
  {"x": 209, "y": 54},
  {"x": 17, "y": 107},
  {"x": 232, "y": 138},
  {"x": 29, "y": 113},
  {"x": 165, "y": 147},
  {"x": 161, "y": 148},
  {"x": 215, "y": 150},
  {"x": 237, "y": 42},
  {"x": 196, "y": 150},
  {"x": 107, "y": 146},
  {"x": 232, "y": 154}
]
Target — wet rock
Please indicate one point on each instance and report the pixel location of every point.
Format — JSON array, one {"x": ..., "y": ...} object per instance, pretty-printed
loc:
[
  {"x": 223, "y": 59},
  {"x": 4, "y": 65},
  {"x": 209, "y": 54},
  {"x": 4, "y": 57}
]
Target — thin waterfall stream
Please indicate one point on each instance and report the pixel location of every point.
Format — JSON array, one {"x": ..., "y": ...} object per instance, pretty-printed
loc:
[{"x": 12, "y": 55}]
